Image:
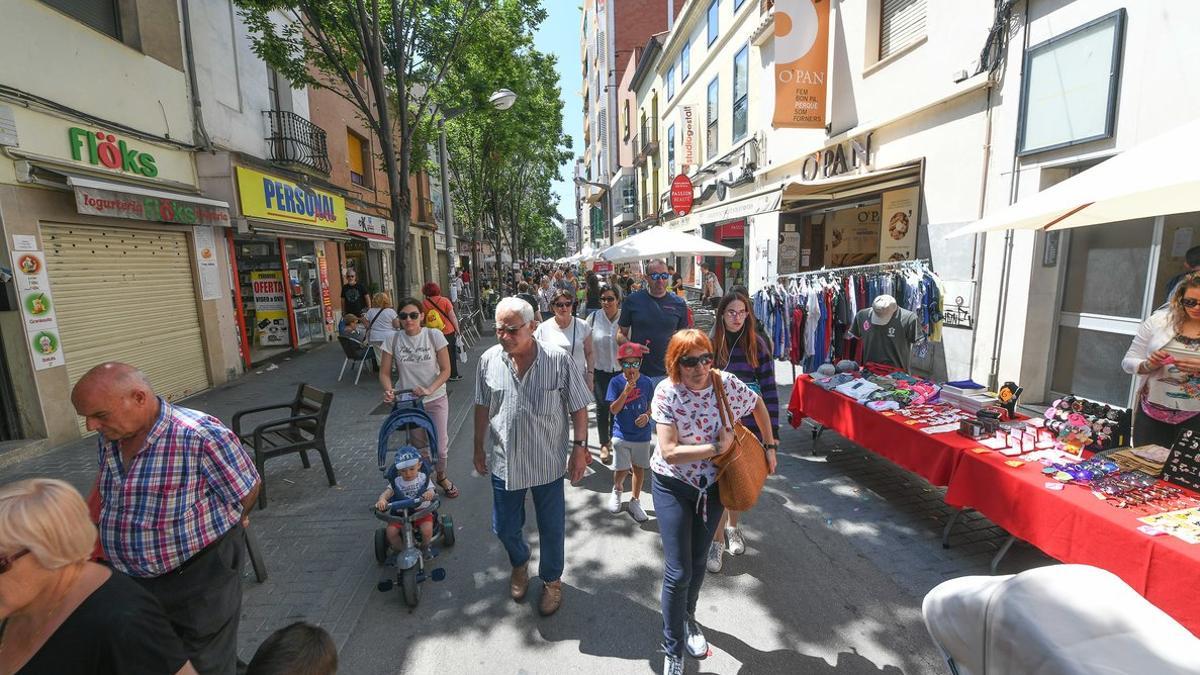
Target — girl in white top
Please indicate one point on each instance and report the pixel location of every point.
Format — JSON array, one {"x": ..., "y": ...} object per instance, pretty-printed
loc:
[
  {"x": 574, "y": 336},
  {"x": 381, "y": 319},
  {"x": 604, "y": 349},
  {"x": 423, "y": 366}
]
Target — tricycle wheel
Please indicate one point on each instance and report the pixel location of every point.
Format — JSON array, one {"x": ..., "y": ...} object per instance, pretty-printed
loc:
[
  {"x": 447, "y": 531},
  {"x": 381, "y": 545},
  {"x": 410, "y": 587}
]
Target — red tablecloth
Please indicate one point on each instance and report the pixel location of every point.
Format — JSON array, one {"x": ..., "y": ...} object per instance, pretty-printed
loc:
[
  {"x": 1073, "y": 526},
  {"x": 933, "y": 457}
]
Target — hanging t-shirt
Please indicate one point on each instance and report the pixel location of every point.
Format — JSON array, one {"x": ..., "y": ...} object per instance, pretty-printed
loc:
[
  {"x": 416, "y": 359},
  {"x": 638, "y": 402},
  {"x": 890, "y": 343},
  {"x": 570, "y": 339}
]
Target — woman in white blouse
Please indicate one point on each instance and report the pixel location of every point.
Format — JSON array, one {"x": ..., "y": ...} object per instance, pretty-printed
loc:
[
  {"x": 604, "y": 349},
  {"x": 381, "y": 320},
  {"x": 572, "y": 335}
]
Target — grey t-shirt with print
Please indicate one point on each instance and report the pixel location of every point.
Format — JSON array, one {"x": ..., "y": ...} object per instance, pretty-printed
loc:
[
  {"x": 416, "y": 359},
  {"x": 891, "y": 343}
]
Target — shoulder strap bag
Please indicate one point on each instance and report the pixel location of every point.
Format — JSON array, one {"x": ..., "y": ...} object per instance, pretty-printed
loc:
[{"x": 741, "y": 470}]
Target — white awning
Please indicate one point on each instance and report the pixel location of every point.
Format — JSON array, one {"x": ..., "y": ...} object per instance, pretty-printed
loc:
[
  {"x": 660, "y": 242},
  {"x": 1155, "y": 178}
]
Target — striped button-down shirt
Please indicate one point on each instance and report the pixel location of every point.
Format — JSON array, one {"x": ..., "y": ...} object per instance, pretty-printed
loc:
[
  {"x": 180, "y": 492},
  {"x": 530, "y": 417}
]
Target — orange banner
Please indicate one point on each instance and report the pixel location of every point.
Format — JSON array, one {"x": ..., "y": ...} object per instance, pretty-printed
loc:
[{"x": 801, "y": 63}]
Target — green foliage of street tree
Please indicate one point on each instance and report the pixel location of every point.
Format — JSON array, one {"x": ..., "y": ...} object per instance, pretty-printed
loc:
[{"x": 390, "y": 59}]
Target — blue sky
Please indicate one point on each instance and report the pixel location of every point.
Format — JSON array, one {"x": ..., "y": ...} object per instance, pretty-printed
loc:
[{"x": 559, "y": 35}]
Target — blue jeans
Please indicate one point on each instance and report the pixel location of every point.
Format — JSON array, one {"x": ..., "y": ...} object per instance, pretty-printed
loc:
[
  {"x": 685, "y": 538},
  {"x": 508, "y": 521}
]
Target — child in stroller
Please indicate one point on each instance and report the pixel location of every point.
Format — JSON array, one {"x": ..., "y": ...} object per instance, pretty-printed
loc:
[{"x": 409, "y": 480}]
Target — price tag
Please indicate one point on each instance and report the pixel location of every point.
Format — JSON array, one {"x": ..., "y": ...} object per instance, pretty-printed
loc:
[
  {"x": 1150, "y": 530},
  {"x": 979, "y": 451},
  {"x": 888, "y": 413},
  {"x": 912, "y": 423},
  {"x": 1054, "y": 486},
  {"x": 1015, "y": 463}
]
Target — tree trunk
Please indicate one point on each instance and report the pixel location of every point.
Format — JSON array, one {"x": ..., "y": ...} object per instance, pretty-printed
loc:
[{"x": 401, "y": 196}]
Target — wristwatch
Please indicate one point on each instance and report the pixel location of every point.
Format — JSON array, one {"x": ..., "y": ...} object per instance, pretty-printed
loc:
[
  {"x": 579, "y": 444},
  {"x": 771, "y": 446}
]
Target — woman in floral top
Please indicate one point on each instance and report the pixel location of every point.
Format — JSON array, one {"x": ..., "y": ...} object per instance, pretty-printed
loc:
[{"x": 686, "y": 500}]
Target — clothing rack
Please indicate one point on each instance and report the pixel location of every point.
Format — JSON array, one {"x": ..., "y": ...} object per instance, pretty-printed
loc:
[{"x": 881, "y": 267}]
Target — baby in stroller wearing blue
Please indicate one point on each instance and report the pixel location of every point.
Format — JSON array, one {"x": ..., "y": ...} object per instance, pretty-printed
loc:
[{"x": 408, "y": 479}]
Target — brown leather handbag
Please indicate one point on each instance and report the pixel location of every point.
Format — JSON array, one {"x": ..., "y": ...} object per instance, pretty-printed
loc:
[{"x": 742, "y": 469}]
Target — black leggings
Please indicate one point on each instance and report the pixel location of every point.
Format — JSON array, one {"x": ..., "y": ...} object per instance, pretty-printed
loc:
[{"x": 1148, "y": 430}]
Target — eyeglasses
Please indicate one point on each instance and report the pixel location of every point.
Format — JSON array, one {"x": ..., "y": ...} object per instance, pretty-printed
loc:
[
  {"x": 660, "y": 276},
  {"x": 1190, "y": 303},
  {"x": 7, "y": 561},
  {"x": 409, "y": 315},
  {"x": 737, "y": 312},
  {"x": 609, "y": 299},
  {"x": 511, "y": 330},
  {"x": 693, "y": 361},
  {"x": 562, "y": 305},
  {"x": 632, "y": 363}
]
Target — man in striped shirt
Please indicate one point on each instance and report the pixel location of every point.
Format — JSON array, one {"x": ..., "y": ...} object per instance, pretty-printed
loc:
[
  {"x": 174, "y": 487},
  {"x": 525, "y": 394}
]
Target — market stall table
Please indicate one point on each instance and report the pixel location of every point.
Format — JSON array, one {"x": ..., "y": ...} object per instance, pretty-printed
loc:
[
  {"x": 931, "y": 456},
  {"x": 1073, "y": 526}
]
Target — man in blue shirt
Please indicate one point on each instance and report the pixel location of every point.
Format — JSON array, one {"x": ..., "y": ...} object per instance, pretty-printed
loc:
[{"x": 650, "y": 317}]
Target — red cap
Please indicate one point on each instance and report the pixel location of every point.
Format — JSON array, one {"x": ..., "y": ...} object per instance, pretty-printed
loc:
[{"x": 631, "y": 350}]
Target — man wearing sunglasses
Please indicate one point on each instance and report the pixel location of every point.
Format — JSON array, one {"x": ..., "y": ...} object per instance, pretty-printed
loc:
[
  {"x": 527, "y": 396},
  {"x": 174, "y": 487},
  {"x": 651, "y": 316}
]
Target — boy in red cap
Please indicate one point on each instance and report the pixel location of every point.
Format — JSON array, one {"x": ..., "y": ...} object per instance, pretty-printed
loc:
[{"x": 629, "y": 401}]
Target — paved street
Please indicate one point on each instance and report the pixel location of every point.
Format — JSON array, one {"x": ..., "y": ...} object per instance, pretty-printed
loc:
[{"x": 841, "y": 550}]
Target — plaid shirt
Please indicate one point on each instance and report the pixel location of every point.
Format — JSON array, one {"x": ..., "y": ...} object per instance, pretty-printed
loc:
[{"x": 180, "y": 493}]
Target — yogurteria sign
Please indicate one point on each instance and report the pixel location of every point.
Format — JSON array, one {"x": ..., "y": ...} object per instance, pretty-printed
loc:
[
  {"x": 100, "y": 148},
  {"x": 97, "y": 202}
]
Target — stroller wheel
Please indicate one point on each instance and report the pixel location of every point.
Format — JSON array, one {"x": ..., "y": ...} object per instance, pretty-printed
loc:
[
  {"x": 409, "y": 587},
  {"x": 381, "y": 545},
  {"x": 447, "y": 531}
]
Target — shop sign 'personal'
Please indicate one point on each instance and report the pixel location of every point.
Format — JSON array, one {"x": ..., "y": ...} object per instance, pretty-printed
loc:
[
  {"x": 801, "y": 63},
  {"x": 275, "y": 198},
  {"x": 682, "y": 195},
  {"x": 101, "y": 148},
  {"x": 838, "y": 159}
]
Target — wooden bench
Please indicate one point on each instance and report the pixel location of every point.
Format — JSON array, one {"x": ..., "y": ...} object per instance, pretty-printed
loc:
[{"x": 302, "y": 430}]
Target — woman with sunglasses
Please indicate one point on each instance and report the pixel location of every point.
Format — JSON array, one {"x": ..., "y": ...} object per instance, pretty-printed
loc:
[
  {"x": 60, "y": 613},
  {"x": 684, "y": 485},
  {"x": 1165, "y": 357},
  {"x": 605, "y": 328},
  {"x": 741, "y": 351},
  {"x": 572, "y": 335},
  {"x": 422, "y": 358}
]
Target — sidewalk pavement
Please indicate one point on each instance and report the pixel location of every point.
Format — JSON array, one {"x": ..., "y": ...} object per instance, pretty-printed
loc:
[{"x": 840, "y": 551}]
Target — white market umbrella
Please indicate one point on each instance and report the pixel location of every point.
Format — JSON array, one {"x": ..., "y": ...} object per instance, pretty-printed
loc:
[
  {"x": 1154, "y": 178},
  {"x": 660, "y": 242}
]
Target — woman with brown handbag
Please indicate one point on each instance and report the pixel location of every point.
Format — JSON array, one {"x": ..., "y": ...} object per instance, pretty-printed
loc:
[{"x": 687, "y": 411}]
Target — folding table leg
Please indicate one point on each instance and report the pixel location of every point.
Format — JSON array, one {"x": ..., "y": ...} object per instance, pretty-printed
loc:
[
  {"x": 1002, "y": 552},
  {"x": 950, "y": 526}
]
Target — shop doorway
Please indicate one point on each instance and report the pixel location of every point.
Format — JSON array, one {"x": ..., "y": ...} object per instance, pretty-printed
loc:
[
  {"x": 264, "y": 307},
  {"x": 304, "y": 284}
]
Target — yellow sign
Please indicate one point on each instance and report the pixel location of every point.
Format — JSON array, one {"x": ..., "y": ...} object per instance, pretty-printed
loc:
[
  {"x": 275, "y": 198},
  {"x": 270, "y": 308}
]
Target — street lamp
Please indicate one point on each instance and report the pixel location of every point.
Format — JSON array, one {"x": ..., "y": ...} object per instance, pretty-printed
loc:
[
  {"x": 609, "y": 215},
  {"x": 501, "y": 99}
]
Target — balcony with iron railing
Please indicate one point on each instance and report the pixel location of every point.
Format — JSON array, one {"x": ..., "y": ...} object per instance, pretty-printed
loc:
[{"x": 293, "y": 140}]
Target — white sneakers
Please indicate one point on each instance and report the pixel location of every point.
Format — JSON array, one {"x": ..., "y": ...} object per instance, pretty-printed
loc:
[
  {"x": 715, "y": 553},
  {"x": 733, "y": 537},
  {"x": 697, "y": 646},
  {"x": 636, "y": 511},
  {"x": 614, "y": 501}
]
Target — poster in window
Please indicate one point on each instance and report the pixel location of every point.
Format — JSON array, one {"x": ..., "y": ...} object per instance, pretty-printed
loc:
[
  {"x": 270, "y": 308},
  {"x": 789, "y": 252},
  {"x": 898, "y": 238},
  {"x": 852, "y": 237}
]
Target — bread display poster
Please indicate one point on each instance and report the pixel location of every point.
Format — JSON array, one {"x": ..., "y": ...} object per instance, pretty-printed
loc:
[
  {"x": 852, "y": 237},
  {"x": 898, "y": 235}
]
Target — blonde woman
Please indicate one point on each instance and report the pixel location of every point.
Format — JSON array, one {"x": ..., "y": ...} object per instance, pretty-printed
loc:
[
  {"x": 381, "y": 319},
  {"x": 60, "y": 613}
]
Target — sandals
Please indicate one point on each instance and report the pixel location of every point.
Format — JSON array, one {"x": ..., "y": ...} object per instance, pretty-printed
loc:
[
  {"x": 605, "y": 455},
  {"x": 448, "y": 487}
]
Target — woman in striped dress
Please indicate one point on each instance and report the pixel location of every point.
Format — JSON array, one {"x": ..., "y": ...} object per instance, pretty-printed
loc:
[{"x": 739, "y": 350}]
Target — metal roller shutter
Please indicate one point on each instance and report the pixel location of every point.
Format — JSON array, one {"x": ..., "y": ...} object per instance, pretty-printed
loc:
[
  {"x": 127, "y": 295},
  {"x": 901, "y": 22}
]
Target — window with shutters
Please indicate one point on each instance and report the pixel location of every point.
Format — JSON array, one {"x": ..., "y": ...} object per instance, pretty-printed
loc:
[
  {"x": 358, "y": 158},
  {"x": 710, "y": 135},
  {"x": 602, "y": 128},
  {"x": 901, "y": 22},
  {"x": 99, "y": 14},
  {"x": 741, "y": 90}
]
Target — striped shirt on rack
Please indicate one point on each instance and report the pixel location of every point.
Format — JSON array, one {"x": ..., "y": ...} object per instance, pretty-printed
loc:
[{"x": 529, "y": 418}]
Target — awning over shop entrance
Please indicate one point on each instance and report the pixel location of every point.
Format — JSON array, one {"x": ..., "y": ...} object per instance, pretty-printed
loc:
[
  {"x": 1155, "y": 178},
  {"x": 289, "y": 230},
  {"x": 378, "y": 242},
  {"x": 846, "y": 187}
]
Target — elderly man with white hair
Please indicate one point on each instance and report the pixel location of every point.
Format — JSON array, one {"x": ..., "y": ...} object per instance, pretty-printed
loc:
[{"x": 525, "y": 395}]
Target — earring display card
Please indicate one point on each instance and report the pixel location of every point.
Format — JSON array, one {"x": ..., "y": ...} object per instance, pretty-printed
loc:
[{"x": 1183, "y": 465}]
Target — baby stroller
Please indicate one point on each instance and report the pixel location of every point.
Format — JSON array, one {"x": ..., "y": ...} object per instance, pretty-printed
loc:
[{"x": 408, "y": 415}]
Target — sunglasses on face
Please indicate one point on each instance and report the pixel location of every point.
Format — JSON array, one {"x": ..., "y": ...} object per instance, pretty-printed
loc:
[
  {"x": 693, "y": 361},
  {"x": 511, "y": 330},
  {"x": 632, "y": 364},
  {"x": 609, "y": 299},
  {"x": 409, "y": 315},
  {"x": 1190, "y": 303},
  {"x": 562, "y": 305},
  {"x": 7, "y": 561},
  {"x": 660, "y": 276}
]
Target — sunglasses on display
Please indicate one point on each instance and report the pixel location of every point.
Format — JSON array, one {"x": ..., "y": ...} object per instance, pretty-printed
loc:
[
  {"x": 511, "y": 330},
  {"x": 631, "y": 364},
  {"x": 7, "y": 561},
  {"x": 562, "y": 305},
  {"x": 609, "y": 299},
  {"x": 1190, "y": 303},
  {"x": 660, "y": 276},
  {"x": 409, "y": 315},
  {"x": 693, "y": 361}
]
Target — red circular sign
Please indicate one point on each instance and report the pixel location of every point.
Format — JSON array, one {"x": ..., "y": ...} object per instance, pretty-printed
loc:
[{"x": 682, "y": 195}]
